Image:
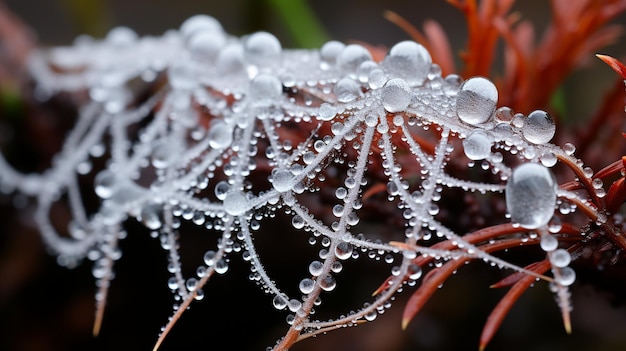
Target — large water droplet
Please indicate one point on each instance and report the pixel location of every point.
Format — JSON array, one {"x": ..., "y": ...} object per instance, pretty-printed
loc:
[
  {"x": 343, "y": 250},
  {"x": 220, "y": 135},
  {"x": 396, "y": 95},
  {"x": 548, "y": 242},
  {"x": 205, "y": 45},
  {"x": 121, "y": 37},
  {"x": 476, "y": 101},
  {"x": 316, "y": 268},
  {"x": 352, "y": 56},
  {"x": 197, "y": 23},
  {"x": 566, "y": 277},
  {"x": 329, "y": 53},
  {"x": 279, "y": 302},
  {"x": 282, "y": 180},
  {"x": 477, "y": 145},
  {"x": 306, "y": 285},
  {"x": 230, "y": 59},
  {"x": 262, "y": 48},
  {"x": 531, "y": 195},
  {"x": 235, "y": 203},
  {"x": 560, "y": 258},
  {"x": 539, "y": 128},
  {"x": 265, "y": 87},
  {"x": 347, "y": 90},
  {"x": 408, "y": 60}
]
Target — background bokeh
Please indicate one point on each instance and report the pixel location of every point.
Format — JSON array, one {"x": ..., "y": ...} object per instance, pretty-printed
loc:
[{"x": 45, "y": 307}]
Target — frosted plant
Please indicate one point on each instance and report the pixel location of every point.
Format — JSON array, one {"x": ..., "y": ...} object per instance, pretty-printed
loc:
[{"x": 238, "y": 133}]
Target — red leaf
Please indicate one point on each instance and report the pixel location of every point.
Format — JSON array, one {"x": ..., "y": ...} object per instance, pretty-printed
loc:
[
  {"x": 502, "y": 308},
  {"x": 615, "y": 65}
]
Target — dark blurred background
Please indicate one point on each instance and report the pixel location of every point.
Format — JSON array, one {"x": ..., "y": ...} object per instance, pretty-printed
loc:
[{"x": 44, "y": 307}]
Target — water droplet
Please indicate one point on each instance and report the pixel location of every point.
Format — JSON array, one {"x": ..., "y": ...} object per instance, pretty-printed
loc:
[
  {"x": 294, "y": 305},
  {"x": 477, "y": 145},
  {"x": 560, "y": 258},
  {"x": 371, "y": 315},
  {"x": 265, "y": 87},
  {"x": 409, "y": 60},
  {"x": 182, "y": 77},
  {"x": 220, "y": 135},
  {"x": 414, "y": 271},
  {"x": 566, "y": 277},
  {"x": 476, "y": 101},
  {"x": 329, "y": 53},
  {"x": 279, "y": 302},
  {"x": 235, "y": 203},
  {"x": 230, "y": 59},
  {"x": 548, "y": 242},
  {"x": 539, "y": 128},
  {"x": 531, "y": 195},
  {"x": 262, "y": 48},
  {"x": 297, "y": 222},
  {"x": 327, "y": 282},
  {"x": 191, "y": 284},
  {"x": 121, "y": 37},
  {"x": 197, "y": 23},
  {"x": 548, "y": 159},
  {"x": 221, "y": 266},
  {"x": 347, "y": 90},
  {"x": 209, "y": 257},
  {"x": 504, "y": 114},
  {"x": 105, "y": 183},
  {"x": 396, "y": 95},
  {"x": 306, "y": 285},
  {"x": 205, "y": 45},
  {"x": 343, "y": 250},
  {"x": 351, "y": 57},
  {"x": 326, "y": 112},
  {"x": 151, "y": 215},
  {"x": 282, "y": 180},
  {"x": 315, "y": 268}
]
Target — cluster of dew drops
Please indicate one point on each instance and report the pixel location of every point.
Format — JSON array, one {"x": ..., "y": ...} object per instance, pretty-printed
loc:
[{"x": 344, "y": 88}]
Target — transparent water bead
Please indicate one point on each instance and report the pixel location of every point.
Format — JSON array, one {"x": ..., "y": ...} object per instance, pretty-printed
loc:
[
  {"x": 329, "y": 53},
  {"x": 163, "y": 153},
  {"x": 560, "y": 258},
  {"x": 282, "y": 180},
  {"x": 121, "y": 37},
  {"x": 539, "y": 127},
  {"x": 396, "y": 95},
  {"x": 566, "y": 277},
  {"x": 220, "y": 135},
  {"x": 477, "y": 145},
  {"x": 197, "y": 23},
  {"x": 306, "y": 285},
  {"x": 205, "y": 45},
  {"x": 351, "y": 57},
  {"x": 409, "y": 60},
  {"x": 151, "y": 215},
  {"x": 548, "y": 242},
  {"x": 347, "y": 90},
  {"x": 105, "y": 184},
  {"x": 236, "y": 203},
  {"x": 279, "y": 302},
  {"x": 265, "y": 87},
  {"x": 231, "y": 59},
  {"x": 262, "y": 48},
  {"x": 476, "y": 101},
  {"x": 531, "y": 195}
]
